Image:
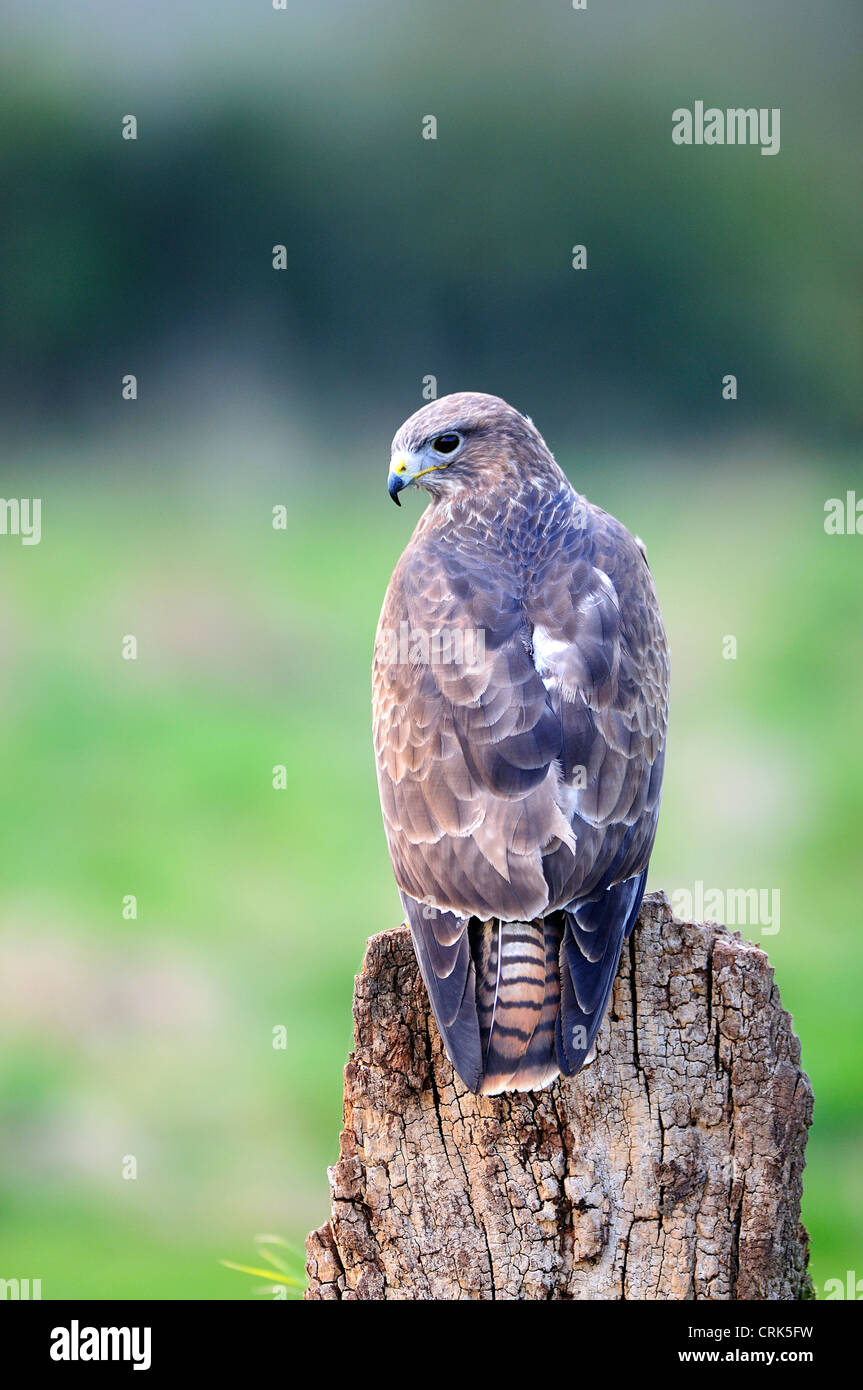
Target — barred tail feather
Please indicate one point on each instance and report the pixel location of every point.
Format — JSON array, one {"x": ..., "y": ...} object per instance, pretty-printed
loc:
[
  {"x": 517, "y": 994},
  {"x": 520, "y": 1003}
]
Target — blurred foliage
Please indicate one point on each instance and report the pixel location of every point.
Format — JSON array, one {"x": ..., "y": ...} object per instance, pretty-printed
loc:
[{"x": 451, "y": 256}]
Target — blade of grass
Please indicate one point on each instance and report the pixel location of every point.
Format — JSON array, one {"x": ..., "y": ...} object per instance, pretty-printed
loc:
[{"x": 263, "y": 1274}]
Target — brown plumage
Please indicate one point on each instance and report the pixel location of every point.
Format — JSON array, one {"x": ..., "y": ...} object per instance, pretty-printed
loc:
[{"x": 520, "y": 692}]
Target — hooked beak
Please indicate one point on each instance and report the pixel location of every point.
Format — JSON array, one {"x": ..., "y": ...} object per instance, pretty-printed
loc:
[
  {"x": 401, "y": 475},
  {"x": 405, "y": 468}
]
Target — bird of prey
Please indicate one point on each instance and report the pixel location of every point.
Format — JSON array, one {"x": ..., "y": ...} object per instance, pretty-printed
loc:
[{"x": 520, "y": 697}]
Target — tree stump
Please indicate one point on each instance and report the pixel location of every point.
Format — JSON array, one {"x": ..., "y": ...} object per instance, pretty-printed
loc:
[{"x": 671, "y": 1168}]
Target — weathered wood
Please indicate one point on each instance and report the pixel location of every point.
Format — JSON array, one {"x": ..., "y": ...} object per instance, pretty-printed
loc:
[{"x": 671, "y": 1168}]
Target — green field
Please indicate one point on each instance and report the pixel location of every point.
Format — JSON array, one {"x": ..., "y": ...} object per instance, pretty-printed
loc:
[{"x": 152, "y": 1037}]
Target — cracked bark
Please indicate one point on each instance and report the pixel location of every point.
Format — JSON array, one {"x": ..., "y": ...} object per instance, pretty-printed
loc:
[{"x": 670, "y": 1169}]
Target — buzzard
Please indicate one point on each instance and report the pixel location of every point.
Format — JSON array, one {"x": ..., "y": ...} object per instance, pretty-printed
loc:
[{"x": 520, "y": 696}]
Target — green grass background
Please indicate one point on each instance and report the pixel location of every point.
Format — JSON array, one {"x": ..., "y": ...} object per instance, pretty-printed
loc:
[{"x": 152, "y": 1037}]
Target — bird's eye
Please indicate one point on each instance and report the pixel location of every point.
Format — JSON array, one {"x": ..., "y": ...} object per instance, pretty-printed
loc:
[{"x": 446, "y": 443}]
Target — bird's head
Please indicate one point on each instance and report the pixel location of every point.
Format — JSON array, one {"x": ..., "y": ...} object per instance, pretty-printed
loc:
[{"x": 465, "y": 442}]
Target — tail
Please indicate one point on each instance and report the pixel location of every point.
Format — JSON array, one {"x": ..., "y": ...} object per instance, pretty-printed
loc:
[{"x": 519, "y": 1003}]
